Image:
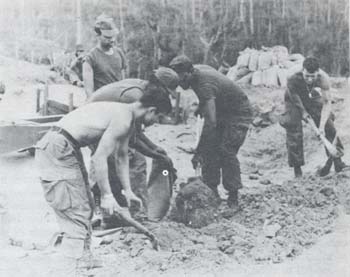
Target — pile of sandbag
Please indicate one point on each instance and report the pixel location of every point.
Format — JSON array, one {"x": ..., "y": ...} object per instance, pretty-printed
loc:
[{"x": 270, "y": 66}]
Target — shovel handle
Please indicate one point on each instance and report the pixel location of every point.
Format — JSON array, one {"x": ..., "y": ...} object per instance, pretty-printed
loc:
[
  {"x": 141, "y": 228},
  {"x": 198, "y": 170},
  {"x": 329, "y": 146}
]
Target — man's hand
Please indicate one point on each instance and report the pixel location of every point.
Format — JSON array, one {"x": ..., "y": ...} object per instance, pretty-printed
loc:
[
  {"x": 321, "y": 132},
  {"x": 108, "y": 204},
  {"x": 196, "y": 160},
  {"x": 167, "y": 160},
  {"x": 306, "y": 117},
  {"x": 130, "y": 196},
  {"x": 123, "y": 212},
  {"x": 160, "y": 150},
  {"x": 78, "y": 83}
]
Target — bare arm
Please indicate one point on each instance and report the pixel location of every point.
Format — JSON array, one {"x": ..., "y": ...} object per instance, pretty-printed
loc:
[
  {"x": 114, "y": 141},
  {"x": 124, "y": 65},
  {"x": 146, "y": 140},
  {"x": 110, "y": 142},
  {"x": 326, "y": 108},
  {"x": 88, "y": 78},
  {"x": 209, "y": 133},
  {"x": 122, "y": 164},
  {"x": 74, "y": 63},
  {"x": 144, "y": 145},
  {"x": 326, "y": 99}
]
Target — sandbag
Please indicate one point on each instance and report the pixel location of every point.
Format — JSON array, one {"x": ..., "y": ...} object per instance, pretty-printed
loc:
[
  {"x": 246, "y": 79},
  {"x": 281, "y": 53},
  {"x": 282, "y": 77},
  {"x": 296, "y": 58},
  {"x": 232, "y": 73},
  {"x": 271, "y": 77},
  {"x": 274, "y": 60},
  {"x": 265, "y": 60},
  {"x": 294, "y": 69},
  {"x": 160, "y": 187},
  {"x": 287, "y": 64},
  {"x": 241, "y": 72},
  {"x": 254, "y": 60},
  {"x": 243, "y": 59},
  {"x": 256, "y": 78},
  {"x": 264, "y": 77}
]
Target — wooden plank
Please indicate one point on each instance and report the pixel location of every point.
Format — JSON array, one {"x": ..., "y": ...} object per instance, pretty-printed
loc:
[
  {"x": 177, "y": 108},
  {"x": 38, "y": 95},
  {"x": 15, "y": 137},
  {"x": 44, "y": 119},
  {"x": 55, "y": 107},
  {"x": 70, "y": 102},
  {"x": 46, "y": 99}
]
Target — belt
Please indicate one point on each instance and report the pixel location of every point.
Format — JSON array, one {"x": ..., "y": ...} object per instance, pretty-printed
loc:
[
  {"x": 80, "y": 159},
  {"x": 67, "y": 135}
]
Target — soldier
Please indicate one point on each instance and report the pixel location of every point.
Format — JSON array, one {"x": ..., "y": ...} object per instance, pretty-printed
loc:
[
  {"x": 306, "y": 99},
  {"x": 104, "y": 64},
  {"x": 227, "y": 116},
  {"x": 62, "y": 171},
  {"x": 129, "y": 91}
]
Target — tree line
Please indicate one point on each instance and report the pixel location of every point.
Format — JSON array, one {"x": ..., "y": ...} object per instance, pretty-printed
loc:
[{"x": 152, "y": 32}]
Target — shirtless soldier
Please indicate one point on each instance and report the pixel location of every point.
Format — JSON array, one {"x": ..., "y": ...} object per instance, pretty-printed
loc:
[{"x": 62, "y": 171}]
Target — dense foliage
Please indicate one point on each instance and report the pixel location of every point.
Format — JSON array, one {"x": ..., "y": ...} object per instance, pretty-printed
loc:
[{"x": 208, "y": 31}]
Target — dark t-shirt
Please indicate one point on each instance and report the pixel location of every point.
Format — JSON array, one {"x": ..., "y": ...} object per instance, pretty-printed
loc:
[
  {"x": 125, "y": 91},
  {"x": 310, "y": 98},
  {"x": 230, "y": 100},
  {"x": 107, "y": 68},
  {"x": 78, "y": 69}
]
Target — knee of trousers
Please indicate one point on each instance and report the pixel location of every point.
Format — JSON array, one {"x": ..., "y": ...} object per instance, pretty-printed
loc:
[{"x": 75, "y": 223}]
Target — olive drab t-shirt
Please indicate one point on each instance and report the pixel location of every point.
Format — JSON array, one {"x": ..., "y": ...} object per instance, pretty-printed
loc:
[
  {"x": 230, "y": 100},
  {"x": 124, "y": 91},
  {"x": 107, "y": 68},
  {"x": 310, "y": 97}
]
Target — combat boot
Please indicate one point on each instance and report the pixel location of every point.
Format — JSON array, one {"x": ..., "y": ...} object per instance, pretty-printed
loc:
[
  {"x": 297, "y": 172},
  {"x": 216, "y": 192},
  {"x": 88, "y": 261},
  {"x": 232, "y": 200},
  {"x": 326, "y": 168},
  {"x": 339, "y": 165}
]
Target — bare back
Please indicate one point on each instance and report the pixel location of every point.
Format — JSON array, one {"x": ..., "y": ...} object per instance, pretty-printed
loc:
[{"x": 88, "y": 123}]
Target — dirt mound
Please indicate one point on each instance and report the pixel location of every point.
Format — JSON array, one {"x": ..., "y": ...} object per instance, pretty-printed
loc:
[
  {"x": 285, "y": 219},
  {"x": 272, "y": 226},
  {"x": 196, "y": 204},
  {"x": 20, "y": 73},
  {"x": 23, "y": 80}
]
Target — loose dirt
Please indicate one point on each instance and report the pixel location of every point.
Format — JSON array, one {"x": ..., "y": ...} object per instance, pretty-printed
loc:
[{"x": 298, "y": 225}]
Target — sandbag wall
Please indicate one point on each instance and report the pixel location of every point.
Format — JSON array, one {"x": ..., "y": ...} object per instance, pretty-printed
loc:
[{"x": 268, "y": 67}]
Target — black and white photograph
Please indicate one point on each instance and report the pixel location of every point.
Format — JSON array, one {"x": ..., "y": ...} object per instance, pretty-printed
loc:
[{"x": 174, "y": 138}]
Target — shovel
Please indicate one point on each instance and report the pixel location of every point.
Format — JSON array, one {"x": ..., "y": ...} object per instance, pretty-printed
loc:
[
  {"x": 329, "y": 146},
  {"x": 141, "y": 228}
]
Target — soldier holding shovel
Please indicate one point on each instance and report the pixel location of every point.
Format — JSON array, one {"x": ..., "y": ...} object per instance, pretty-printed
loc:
[
  {"x": 307, "y": 99},
  {"x": 63, "y": 174}
]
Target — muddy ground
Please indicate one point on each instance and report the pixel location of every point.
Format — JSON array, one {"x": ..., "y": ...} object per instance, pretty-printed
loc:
[{"x": 285, "y": 227}]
